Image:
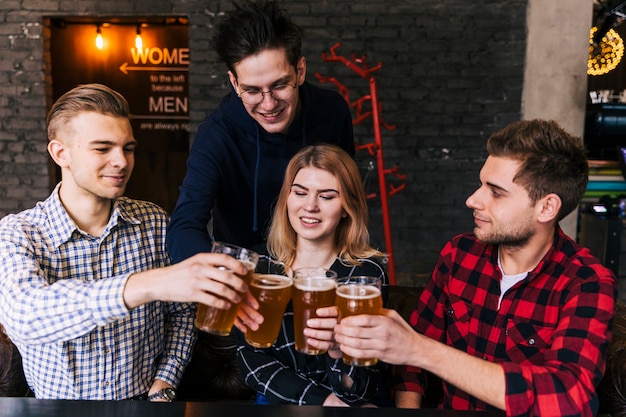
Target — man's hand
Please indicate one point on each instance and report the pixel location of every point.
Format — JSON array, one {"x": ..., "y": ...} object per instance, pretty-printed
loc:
[
  {"x": 204, "y": 278},
  {"x": 391, "y": 339},
  {"x": 387, "y": 337}
]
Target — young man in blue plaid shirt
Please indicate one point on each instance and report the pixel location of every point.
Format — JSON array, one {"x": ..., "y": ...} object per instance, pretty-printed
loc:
[{"x": 87, "y": 293}]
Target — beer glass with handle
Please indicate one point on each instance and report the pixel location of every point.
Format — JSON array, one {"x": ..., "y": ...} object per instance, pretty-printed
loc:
[
  {"x": 313, "y": 288},
  {"x": 215, "y": 320},
  {"x": 359, "y": 295},
  {"x": 271, "y": 286}
]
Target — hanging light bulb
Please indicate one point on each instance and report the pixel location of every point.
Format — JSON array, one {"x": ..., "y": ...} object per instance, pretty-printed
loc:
[
  {"x": 99, "y": 40},
  {"x": 138, "y": 40}
]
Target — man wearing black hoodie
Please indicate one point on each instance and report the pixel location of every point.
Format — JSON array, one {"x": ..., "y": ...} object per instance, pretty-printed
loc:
[{"x": 239, "y": 155}]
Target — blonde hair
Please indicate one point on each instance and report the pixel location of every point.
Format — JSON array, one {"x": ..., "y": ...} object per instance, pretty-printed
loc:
[
  {"x": 94, "y": 97},
  {"x": 351, "y": 235}
]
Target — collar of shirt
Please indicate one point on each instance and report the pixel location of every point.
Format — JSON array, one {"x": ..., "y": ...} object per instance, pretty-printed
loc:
[{"x": 62, "y": 226}]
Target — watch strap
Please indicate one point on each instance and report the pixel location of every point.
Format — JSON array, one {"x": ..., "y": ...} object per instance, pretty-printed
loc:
[{"x": 168, "y": 394}]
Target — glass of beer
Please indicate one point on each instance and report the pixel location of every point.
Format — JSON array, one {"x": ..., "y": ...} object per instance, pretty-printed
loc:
[
  {"x": 271, "y": 286},
  {"x": 218, "y": 321},
  {"x": 358, "y": 295},
  {"x": 313, "y": 288}
]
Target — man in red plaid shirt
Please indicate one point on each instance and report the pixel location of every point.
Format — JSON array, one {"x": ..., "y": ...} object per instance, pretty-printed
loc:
[{"x": 516, "y": 316}]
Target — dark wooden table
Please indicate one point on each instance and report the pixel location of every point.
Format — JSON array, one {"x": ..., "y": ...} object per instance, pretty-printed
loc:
[{"x": 31, "y": 407}]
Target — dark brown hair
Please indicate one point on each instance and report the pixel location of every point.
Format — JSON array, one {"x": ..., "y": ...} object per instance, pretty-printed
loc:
[
  {"x": 254, "y": 26},
  {"x": 552, "y": 160}
]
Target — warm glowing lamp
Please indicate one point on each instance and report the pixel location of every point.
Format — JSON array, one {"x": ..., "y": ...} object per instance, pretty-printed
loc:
[
  {"x": 99, "y": 40},
  {"x": 606, "y": 54},
  {"x": 138, "y": 40}
]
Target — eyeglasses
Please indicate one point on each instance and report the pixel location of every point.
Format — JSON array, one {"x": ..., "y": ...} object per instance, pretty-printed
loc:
[{"x": 254, "y": 96}]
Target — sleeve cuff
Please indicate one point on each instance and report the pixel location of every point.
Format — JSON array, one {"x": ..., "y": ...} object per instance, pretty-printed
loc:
[{"x": 106, "y": 300}]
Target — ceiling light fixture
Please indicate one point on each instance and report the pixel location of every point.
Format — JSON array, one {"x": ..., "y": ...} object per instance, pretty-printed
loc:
[
  {"x": 99, "y": 40},
  {"x": 138, "y": 40}
]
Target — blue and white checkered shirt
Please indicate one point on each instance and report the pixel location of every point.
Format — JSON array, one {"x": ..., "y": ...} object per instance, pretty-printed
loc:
[{"x": 61, "y": 302}]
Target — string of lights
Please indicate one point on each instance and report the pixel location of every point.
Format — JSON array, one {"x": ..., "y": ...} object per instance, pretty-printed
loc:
[{"x": 606, "y": 54}]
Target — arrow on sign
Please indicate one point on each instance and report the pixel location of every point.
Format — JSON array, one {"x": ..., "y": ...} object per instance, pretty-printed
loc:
[{"x": 125, "y": 68}]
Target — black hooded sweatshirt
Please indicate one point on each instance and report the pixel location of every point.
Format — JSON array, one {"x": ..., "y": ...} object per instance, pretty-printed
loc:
[{"x": 235, "y": 170}]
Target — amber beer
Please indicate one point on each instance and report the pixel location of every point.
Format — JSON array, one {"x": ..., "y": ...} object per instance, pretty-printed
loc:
[
  {"x": 219, "y": 321},
  {"x": 271, "y": 286},
  {"x": 358, "y": 295},
  {"x": 273, "y": 293},
  {"x": 313, "y": 288}
]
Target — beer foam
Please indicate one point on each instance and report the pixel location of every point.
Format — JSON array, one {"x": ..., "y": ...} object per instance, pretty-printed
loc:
[
  {"x": 315, "y": 284},
  {"x": 358, "y": 291},
  {"x": 248, "y": 264},
  {"x": 271, "y": 281}
]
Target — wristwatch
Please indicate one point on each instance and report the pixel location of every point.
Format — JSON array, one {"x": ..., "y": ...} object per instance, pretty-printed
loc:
[{"x": 167, "y": 394}]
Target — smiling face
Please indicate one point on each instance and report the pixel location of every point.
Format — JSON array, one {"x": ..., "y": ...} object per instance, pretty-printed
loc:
[
  {"x": 96, "y": 155},
  {"x": 314, "y": 205},
  {"x": 262, "y": 72},
  {"x": 503, "y": 212}
]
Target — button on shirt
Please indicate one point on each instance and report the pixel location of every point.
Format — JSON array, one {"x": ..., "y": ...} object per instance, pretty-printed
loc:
[
  {"x": 61, "y": 301},
  {"x": 550, "y": 333}
]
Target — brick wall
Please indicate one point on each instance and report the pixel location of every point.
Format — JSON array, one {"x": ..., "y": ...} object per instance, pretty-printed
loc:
[{"x": 452, "y": 73}]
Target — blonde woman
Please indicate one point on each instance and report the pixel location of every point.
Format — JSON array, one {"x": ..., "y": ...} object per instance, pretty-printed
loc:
[{"x": 320, "y": 220}]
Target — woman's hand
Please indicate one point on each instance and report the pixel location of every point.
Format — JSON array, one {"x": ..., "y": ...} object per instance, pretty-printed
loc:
[
  {"x": 248, "y": 317},
  {"x": 320, "y": 331}
]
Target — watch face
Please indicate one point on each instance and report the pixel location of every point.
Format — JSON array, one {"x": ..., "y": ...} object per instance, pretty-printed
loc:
[{"x": 169, "y": 393}]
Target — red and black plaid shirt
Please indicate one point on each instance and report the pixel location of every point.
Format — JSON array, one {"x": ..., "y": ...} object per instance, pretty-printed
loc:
[{"x": 550, "y": 334}]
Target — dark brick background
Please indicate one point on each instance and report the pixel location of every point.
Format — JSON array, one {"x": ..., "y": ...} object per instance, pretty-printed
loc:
[{"x": 452, "y": 73}]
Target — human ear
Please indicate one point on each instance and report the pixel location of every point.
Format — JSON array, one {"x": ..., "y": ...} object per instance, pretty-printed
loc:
[
  {"x": 548, "y": 207},
  {"x": 58, "y": 153},
  {"x": 301, "y": 70},
  {"x": 233, "y": 81}
]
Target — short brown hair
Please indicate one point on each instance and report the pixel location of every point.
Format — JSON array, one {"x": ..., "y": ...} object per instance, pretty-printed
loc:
[{"x": 552, "y": 160}]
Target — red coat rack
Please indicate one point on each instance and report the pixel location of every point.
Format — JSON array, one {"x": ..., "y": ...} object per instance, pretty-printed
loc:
[{"x": 375, "y": 149}]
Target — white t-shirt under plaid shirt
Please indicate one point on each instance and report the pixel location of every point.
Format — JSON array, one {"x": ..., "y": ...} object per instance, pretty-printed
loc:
[{"x": 61, "y": 301}]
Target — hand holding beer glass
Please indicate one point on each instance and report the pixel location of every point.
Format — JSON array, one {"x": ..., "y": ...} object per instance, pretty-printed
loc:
[
  {"x": 271, "y": 286},
  {"x": 359, "y": 295},
  {"x": 313, "y": 288},
  {"x": 217, "y": 321}
]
